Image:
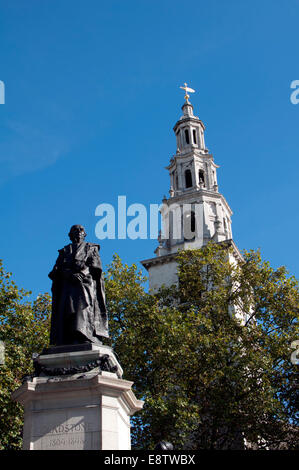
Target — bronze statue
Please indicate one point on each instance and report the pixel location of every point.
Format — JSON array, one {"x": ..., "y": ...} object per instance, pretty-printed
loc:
[{"x": 78, "y": 305}]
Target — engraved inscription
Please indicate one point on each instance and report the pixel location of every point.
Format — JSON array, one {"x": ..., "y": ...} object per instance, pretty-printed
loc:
[
  {"x": 70, "y": 428},
  {"x": 66, "y": 442},
  {"x": 67, "y": 429}
]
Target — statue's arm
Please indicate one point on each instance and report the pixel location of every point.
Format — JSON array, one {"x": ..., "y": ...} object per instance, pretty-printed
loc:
[
  {"x": 94, "y": 261},
  {"x": 57, "y": 270}
]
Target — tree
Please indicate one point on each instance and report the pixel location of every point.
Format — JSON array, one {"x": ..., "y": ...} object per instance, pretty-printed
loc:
[
  {"x": 24, "y": 328},
  {"x": 208, "y": 380}
]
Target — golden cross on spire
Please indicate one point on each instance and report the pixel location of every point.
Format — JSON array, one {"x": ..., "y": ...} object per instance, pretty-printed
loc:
[{"x": 187, "y": 89}]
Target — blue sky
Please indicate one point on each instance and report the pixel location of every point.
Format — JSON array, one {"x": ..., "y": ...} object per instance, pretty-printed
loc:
[{"x": 92, "y": 94}]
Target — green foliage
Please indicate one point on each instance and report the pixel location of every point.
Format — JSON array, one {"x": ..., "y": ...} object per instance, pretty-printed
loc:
[
  {"x": 208, "y": 379},
  {"x": 24, "y": 328}
]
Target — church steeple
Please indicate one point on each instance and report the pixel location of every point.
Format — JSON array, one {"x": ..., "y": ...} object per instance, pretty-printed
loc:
[
  {"x": 190, "y": 140},
  {"x": 189, "y": 130},
  {"x": 195, "y": 212}
]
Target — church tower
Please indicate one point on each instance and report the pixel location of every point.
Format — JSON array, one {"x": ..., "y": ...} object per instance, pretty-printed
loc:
[{"x": 195, "y": 212}]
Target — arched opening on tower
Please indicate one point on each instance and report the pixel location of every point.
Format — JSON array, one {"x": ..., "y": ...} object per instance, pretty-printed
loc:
[
  {"x": 189, "y": 225},
  {"x": 188, "y": 179},
  {"x": 201, "y": 177},
  {"x": 194, "y": 137},
  {"x": 192, "y": 215},
  {"x": 178, "y": 139},
  {"x": 187, "y": 137}
]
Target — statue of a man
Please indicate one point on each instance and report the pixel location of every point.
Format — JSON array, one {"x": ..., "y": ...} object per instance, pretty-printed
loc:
[{"x": 78, "y": 305}]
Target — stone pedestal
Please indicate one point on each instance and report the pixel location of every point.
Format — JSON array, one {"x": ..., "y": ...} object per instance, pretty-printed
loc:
[{"x": 79, "y": 401}]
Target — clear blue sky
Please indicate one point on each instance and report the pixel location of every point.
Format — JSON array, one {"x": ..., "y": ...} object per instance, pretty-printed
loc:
[{"x": 92, "y": 94}]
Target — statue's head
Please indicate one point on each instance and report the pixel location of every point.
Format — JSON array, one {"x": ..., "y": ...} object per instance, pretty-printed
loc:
[{"x": 77, "y": 233}]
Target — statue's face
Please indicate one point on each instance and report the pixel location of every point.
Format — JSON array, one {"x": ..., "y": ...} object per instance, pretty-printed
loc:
[{"x": 77, "y": 234}]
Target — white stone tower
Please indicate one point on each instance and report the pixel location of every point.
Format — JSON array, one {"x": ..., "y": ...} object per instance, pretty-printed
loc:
[{"x": 195, "y": 212}]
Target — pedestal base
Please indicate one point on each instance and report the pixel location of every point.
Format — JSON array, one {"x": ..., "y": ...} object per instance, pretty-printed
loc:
[{"x": 82, "y": 411}]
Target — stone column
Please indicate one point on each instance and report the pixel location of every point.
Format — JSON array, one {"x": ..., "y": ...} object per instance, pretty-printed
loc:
[
  {"x": 180, "y": 177},
  {"x": 75, "y": 404}
]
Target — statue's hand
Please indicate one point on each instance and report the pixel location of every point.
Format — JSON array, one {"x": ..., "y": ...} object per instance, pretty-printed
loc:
[
  {"x": 79, "y": 265},
  {"x": 72, "y": 277},
  {"x": 77, "y": 278}
]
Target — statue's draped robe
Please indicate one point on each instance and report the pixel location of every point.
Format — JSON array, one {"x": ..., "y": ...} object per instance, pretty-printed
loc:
[{"x": 78, "y": 304}]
